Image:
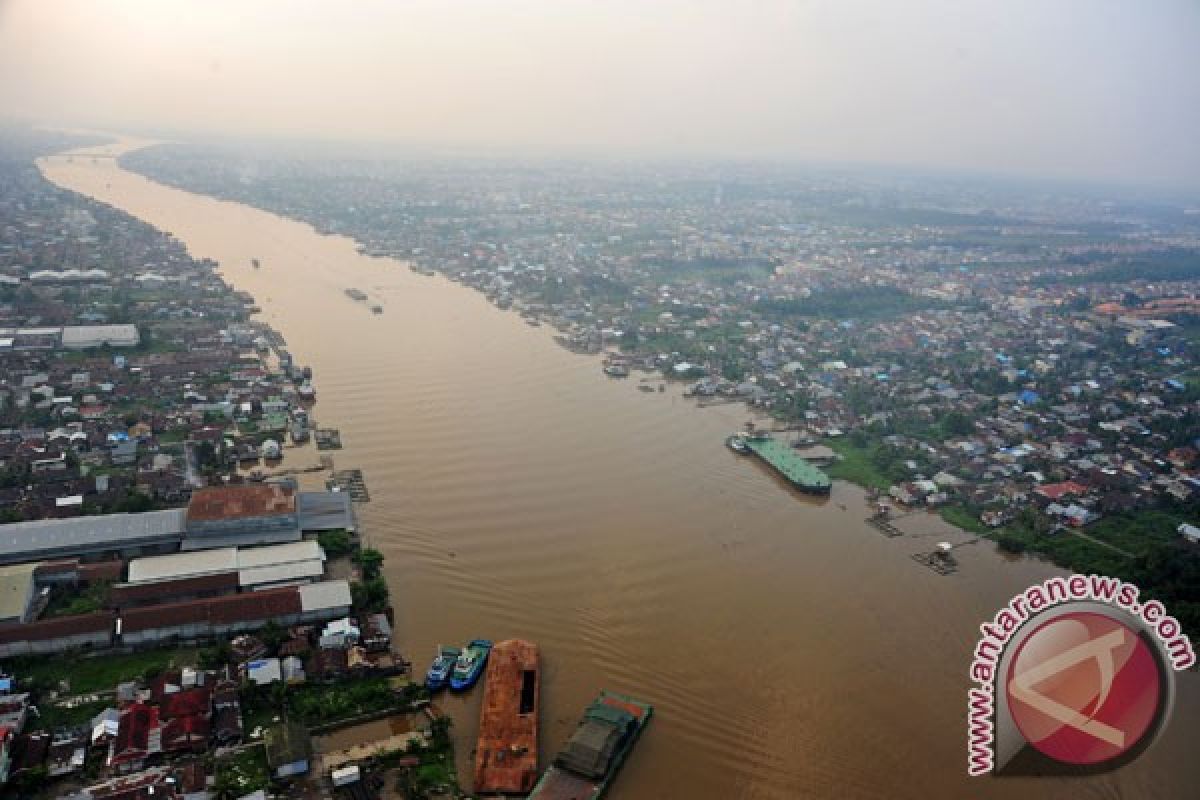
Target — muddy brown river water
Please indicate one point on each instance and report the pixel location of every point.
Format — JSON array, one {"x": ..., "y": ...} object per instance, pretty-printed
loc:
[{"x": 791, "y": 651}]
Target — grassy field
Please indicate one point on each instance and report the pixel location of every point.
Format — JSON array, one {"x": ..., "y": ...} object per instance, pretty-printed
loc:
[
  {"x": 243, "y": 773},
  {"x": 52, "y": 716},
  {"x": 856, "y": 465},
  {"x": 99, "y": 674},
  {"x": 964, "y": 518}
]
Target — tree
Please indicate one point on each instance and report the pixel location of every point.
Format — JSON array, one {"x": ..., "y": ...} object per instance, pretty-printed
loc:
[{"x": 371, "y": 562}]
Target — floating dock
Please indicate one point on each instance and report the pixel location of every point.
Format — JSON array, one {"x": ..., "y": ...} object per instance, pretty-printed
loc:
[
  {"x": 506, "y": 756},
  {"x": 328, "y": 438},
  {"x": 350, "y": 481},
  {"x": 794, "y": 469},
  {"x": 884, "y": 526}
]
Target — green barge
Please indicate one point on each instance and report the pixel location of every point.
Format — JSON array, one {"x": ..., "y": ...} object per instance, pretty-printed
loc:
[{"x": 783, "y": 459}]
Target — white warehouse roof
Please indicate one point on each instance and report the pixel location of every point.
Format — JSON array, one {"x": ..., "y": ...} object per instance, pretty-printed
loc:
[
  {"x": 254, "y": 565},
  {"x": 325, "y": 595}
]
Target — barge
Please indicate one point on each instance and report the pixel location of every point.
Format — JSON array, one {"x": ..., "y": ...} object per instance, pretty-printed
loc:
[
  {"x": 793, "y": 468},
  {"x": 506, "y": 755},
  {"x": 596, "y": 750}
]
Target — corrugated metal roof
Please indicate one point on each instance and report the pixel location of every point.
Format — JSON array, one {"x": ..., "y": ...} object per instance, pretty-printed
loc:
[
  {"x": 281, "y": 573},
  {"x": 325, "y": 511},
  {"x": 16, "y": 590},
  {"x": 180, "y": 565},
  {"x": 325, "y": 595},
  {"x": 25, "y": 541},
  {"x": 254, "y": 565},
  {"x": 251, "y": 557}
]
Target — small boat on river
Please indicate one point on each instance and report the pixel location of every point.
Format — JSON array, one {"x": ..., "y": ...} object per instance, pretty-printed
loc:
[
  {"x": 470, "y": 664},
  {"x": 438, "y": 675}
]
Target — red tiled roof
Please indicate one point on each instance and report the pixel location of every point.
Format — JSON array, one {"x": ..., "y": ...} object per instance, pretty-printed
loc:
[
  {"x": 129, "y": 593},
  {"x": 183, "y": 733},
  {"x": 235, "y": 502},
  {"x": 1056, "y": 490},
  {"x": 58, "y": 627},
  {"x": 215, "y": 610},
  {"x": 189, "y": 702},
  {"x": 133, "y": 732}
]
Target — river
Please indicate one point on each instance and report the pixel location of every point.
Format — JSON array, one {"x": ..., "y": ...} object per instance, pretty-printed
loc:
[{"x": 791, "y": 651}]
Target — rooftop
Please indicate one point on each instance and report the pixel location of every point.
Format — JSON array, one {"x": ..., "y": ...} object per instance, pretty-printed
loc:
[
  {"x": 27, "y": 541},
  {"x": 16, "y": 589},
  {"x": 253, "y": 564},
  {"x": 239, "y": 502}
]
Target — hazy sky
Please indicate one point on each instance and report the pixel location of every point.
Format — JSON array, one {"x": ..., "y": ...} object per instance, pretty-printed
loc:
[{"x": 1108, "y": 89}]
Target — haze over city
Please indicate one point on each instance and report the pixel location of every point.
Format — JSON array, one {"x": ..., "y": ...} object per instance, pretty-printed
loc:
[{"x": 1097, "y": 90}]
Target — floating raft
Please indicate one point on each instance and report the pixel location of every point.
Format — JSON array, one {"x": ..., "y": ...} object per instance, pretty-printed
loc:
[
  {"x": 885, "y": 527},
  {"x": 328, "y": 438},
  {"x": 350, "y": 481},
  {"x": 937, "y": 561}
]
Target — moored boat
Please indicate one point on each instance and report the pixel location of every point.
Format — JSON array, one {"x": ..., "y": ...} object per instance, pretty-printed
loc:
[
  {"x": 470, "y": 664},
  {"x": 589, "y": 761},
  {"x": 506, "y": 755},
  {"x": 439, "y": 671},
  {"x": 793, "y": 468}
]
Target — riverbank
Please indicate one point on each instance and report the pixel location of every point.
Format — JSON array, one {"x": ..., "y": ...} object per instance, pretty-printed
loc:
[{"x": 518, "y": 492}]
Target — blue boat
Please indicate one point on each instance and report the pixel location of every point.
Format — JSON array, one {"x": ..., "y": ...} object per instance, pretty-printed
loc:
[
  {"x": 439, "y": 671},
  {"x": 470, "y": 664}
]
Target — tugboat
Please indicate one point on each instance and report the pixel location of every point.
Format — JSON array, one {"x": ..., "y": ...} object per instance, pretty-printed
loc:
[
  {"x": 737, "y": 444},
  {"x": 439, "y": 671},
  {"x": 376, "y": 308},
  {"x": 596, "y": 750},
  {"x": 254, "y": 263},
  {"x": 470, "y": 664}
]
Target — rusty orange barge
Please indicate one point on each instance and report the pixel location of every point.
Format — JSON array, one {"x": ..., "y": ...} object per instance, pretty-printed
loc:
[{"x": 506, "y": 756}]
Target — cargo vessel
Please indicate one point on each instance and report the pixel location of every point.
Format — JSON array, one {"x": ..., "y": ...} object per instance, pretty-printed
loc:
[
  {"x": 596, "y": 750},
  {"x": 783, "y": 459},
  {"x": 506, "y": 755},
  {"x": 470, "y": 664}
]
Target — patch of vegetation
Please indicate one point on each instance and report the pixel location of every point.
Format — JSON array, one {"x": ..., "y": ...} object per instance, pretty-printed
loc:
[
  {"x": 52, "y": 716},
  {"x": 86, "y": 675},
  {"x": 66, "y": 602},
  {"x": 1172, "y": 264},
  {"x": 243, "y": 773},
  {"x": 963, "y": 517},
  {"x": 335, "y": 543},
  {"x": 315, "y": 704},
  {"x": 861, "y": 303}
]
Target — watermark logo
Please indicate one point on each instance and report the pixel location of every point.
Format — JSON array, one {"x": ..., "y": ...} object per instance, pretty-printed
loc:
[{"x": 1075, "y": 674}]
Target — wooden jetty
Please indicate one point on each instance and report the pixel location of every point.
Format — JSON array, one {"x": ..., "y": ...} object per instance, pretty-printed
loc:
[{"x": 506, "y": 755}]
